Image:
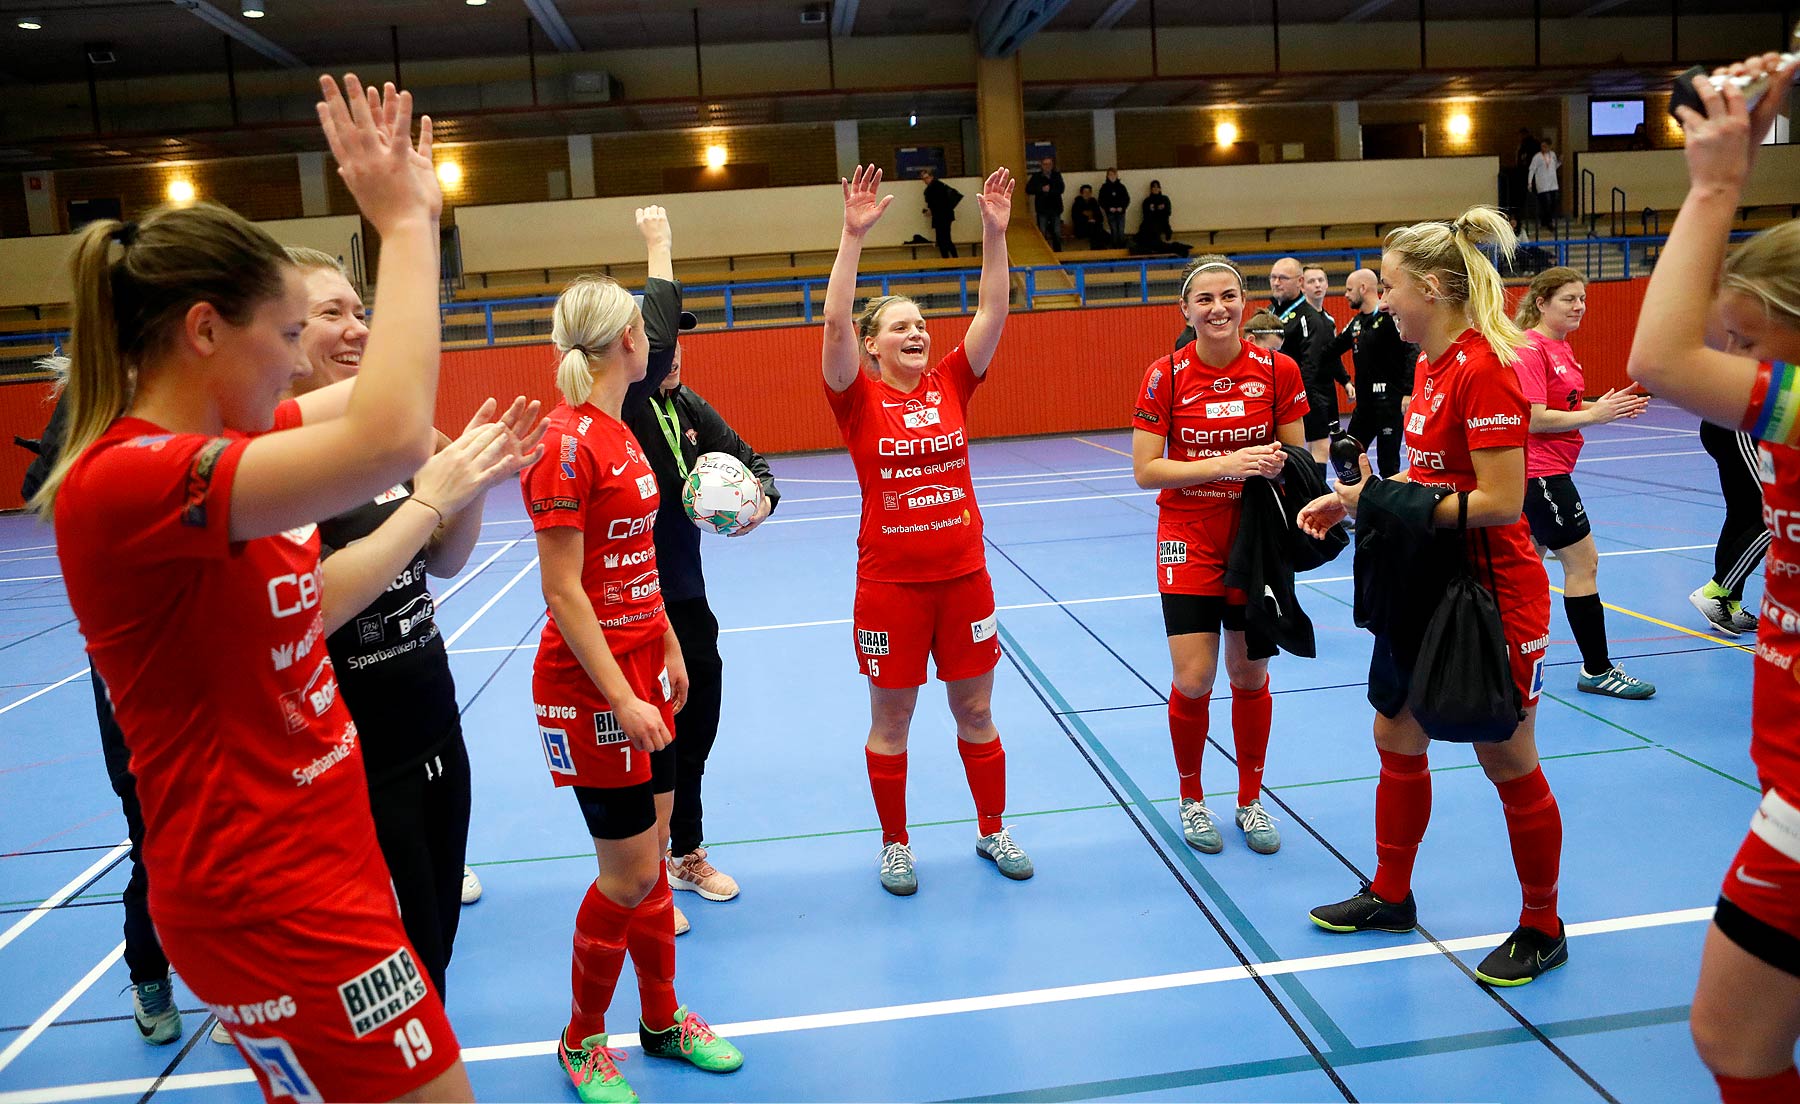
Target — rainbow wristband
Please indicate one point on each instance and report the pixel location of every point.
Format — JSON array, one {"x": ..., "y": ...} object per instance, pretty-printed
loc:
[{"x": 1774, "y": 413}]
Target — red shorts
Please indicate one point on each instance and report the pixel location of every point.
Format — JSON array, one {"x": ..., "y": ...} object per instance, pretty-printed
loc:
[
  {"x": 1764, "y": 879},
  {"x": 327, "y": 1002},
  {"x": 1527, "y": 631},
  {"x": 583, "y": 742},
  {"x": 898, "y": 624},
  {"x": 1191, "y": 550}
]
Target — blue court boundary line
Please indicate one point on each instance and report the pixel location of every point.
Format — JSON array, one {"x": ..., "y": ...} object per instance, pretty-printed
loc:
[
  {"x": 1190, "y": 862},
  {"x": 1384, "y": 1052}
]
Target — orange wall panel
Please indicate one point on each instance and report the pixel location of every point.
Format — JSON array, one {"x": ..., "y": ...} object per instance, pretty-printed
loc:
[{"x": 1057, "y": 371}]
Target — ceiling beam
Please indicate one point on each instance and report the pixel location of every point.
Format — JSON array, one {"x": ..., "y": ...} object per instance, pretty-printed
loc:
[
  {"x": 235, "y": 27},
  {"x": 1002, "y": 26},
  {"x": 1364, "y": 11},
  {"x": 843, "y": 17},
  {"x": 556, "y": 29},
  {"x": 1600, "y": 7},
  {"x": 1114, "y": 12}
]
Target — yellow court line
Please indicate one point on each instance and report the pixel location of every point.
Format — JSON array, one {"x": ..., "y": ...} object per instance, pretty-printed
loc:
[
  {"x": 1108, "y": 448},
  {"x": 1710, "y": 639}
]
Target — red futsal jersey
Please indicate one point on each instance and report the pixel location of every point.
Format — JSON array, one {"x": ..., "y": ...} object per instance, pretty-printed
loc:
[
  {"x": 1550, "y": 374},
  {"x": 1205, "y": 412},
  {"x": 1468, "y": 400},
  {"x": 213, "y": 652},
  {"x": 911, "y": 452},
  {"x": 1775, "y": 743},
  {"x": 594, "y": 477}
]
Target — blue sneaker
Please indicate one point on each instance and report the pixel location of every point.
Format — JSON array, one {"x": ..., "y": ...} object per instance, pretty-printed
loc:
[
  {"x": 1197, "y": 828},
  {"x": 1000, "y": 849},
  {"x": 1615, "y": 683},
  {"x": 897, "y": 874},
  {"x": 153, "y": 1007},
  {"x": 1259, "y": 828}
]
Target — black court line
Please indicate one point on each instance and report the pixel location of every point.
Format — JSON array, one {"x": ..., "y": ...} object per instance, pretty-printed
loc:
[
  {"x": 35, "y": 635},
  {"x": 1502, "y": 1002},
  {"x": 58, "y": 850},
  {"x": 200, "y": 1032},
  {"x": 10, "y": 1028}
]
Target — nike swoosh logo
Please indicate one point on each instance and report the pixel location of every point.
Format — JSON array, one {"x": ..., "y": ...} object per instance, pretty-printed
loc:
[
  {"x": 1748, "y": 879},
  {"x": 621, "y": 468},
  {"x": 1191, "y": 398}
]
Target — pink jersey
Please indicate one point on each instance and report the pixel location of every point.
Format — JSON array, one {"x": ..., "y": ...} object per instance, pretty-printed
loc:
[
  {"x": 911, "y": 452},
  {"x": 1550, "y": 374}
]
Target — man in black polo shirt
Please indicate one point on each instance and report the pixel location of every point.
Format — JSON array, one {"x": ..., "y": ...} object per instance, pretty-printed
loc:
[
  {"x": 1305, "y": 330},
  {"x": 675, "y": 427},
  {"x": 1384, "y": 369}
]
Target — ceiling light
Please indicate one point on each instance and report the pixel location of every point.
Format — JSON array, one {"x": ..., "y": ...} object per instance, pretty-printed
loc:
[
  {"x": 912, "y": 120},
  {"x": 29, "y": 23},
  {"x": 255, "y": 9},
  {"x": 181, "y": 191},
  {"x": 1225, "y": 134},
  {"x": 476, "y": 3},
  {"x": 449, "y": 173},
  {"x": 715, "y": 157}
]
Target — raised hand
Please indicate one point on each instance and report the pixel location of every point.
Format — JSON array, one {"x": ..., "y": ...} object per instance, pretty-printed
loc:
[
  {"x": 995, "y": 200},
  {"x": 862, "y": 208},
  {"x": 370, "y": 134},
  {"x": 653, "y": 223}
]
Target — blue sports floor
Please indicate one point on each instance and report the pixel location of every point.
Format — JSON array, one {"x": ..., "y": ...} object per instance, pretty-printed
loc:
[{"x": 1130, "y": 968}]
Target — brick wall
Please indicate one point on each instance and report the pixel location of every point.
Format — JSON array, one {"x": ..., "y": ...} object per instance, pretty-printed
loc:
[
  {"x": 1493, "y": 124},
  {"x": 632, "y": 164},
  {"x": 877, "y": 141},
  {"x": 1073, "y": 133},
  {"x": 1150, "y": 139},
  {"x": 255, "y": 187}
]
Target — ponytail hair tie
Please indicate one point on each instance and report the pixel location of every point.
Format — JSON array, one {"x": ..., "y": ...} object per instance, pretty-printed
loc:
[
  {"x": 125, "y": 233},
  {"x": 582, "y": 349}
]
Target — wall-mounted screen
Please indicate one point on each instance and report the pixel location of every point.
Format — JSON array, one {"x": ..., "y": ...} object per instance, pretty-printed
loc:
[{"x": 1610, "y": 117}]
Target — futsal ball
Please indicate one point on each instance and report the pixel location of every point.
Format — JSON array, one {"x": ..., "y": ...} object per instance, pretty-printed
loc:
[{"x": 721, "y": 494}]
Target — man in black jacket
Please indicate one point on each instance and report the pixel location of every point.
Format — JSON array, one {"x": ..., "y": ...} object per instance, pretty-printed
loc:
[
  {"x": 940, "y": 203},
  {"x": 1046, "y": 189},
  {"x": 1115, "y": 201},
  {"x": 1384, "y": 369},
  {"x": 1305, "y": 330},
  {"x": 675, "y": 427}
]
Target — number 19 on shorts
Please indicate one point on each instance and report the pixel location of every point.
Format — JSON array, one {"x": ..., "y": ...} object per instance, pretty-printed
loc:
[{"x": 414, "y": 1043}]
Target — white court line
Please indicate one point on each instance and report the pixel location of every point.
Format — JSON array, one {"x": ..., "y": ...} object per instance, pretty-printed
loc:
[
  {"x": 51, "y": 902},
  {"x": 1187, "y": 979},
  {"x": 22, "y": 559},
  {"x": 28, "y": 578},
  {"x": 1652, "y": 427},
  {"x": 469, "y": 577},
  {"x": 28, "y": 548},
  {"x": 8, "y": 708},
  {"x": 1638, "y": 456},
  {"x": 30, "y": 1034},
  {"x": 490, "y": 603}
]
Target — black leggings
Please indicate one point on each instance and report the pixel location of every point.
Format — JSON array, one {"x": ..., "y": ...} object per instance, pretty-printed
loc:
[
  {"x": 143, "y": 950},
  {"x": 1743, "y": 538},
  {"x": 697, "y": 725},
  {"x": 422, "y": 824}
]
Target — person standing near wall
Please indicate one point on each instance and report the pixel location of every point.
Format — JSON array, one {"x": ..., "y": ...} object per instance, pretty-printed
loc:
[
  {"x": 940, "y": 203},
  {"x": 1384, "y": 370},
  {"x": 1115, "y": 200},
  {"x": 1046, "y": 190},
  {"x": 1307, "y": 330},
  {"x": 1544, "y": 180}
]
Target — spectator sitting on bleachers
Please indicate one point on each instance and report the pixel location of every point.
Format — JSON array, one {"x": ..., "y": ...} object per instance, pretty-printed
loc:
[{"x": 1086, "y": 219}]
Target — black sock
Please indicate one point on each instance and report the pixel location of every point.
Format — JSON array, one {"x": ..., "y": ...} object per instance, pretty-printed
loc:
[{"x": 1587, "y": 617}]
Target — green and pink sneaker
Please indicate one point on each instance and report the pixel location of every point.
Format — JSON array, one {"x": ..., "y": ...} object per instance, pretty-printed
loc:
[
  {"x": 691, "y": 1039},
  {"x": 594, "y": 1070}
]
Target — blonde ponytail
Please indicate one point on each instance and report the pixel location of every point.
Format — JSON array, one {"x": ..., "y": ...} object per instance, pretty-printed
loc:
[
  {"x": 134, "y": 282},
  {"x": 1767, "y": 268},
  {"x": 590, "y": 316},
  {"x": 1451, "y": 253}
]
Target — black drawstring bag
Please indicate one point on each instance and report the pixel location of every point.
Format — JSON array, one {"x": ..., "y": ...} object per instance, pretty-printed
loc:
[{"x": 1462, "y": 686}]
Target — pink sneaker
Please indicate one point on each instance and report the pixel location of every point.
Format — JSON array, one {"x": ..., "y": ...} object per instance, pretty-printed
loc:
[{"x": 692, "y": 872}]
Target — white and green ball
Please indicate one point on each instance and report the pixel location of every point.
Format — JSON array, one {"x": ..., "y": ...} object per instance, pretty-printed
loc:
[{"x": 721, "y": 494}]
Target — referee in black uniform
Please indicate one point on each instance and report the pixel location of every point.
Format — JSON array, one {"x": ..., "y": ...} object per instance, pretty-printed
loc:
[
  {"x": 675, "y": 427},
  {"x": 1305, "y": 331},
  {"x": 1384, "y": 369}
]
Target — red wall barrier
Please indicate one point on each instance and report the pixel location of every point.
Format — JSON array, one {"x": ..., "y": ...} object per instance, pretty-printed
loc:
[{"x": 1058, "y": 371}]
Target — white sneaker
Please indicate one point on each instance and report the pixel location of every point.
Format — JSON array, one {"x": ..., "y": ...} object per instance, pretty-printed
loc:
[
  {"x": 221, "y": 1034},
  {"x": 471, "y": 891},
  {"x": 681, "y": 922}
]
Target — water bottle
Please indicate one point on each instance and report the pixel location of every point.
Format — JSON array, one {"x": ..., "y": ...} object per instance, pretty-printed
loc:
[{"x": 1346, "y": 458}]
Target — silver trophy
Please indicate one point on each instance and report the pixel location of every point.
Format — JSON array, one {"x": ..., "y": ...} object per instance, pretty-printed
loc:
[{"x": 1751, "y": 87}]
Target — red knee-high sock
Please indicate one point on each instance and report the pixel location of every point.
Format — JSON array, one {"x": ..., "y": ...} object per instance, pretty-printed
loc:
[
  {"x": 600, "y": 927},
  {"x": 985, "y": 766},
  {"x": 887, "y": 781},
  {"x": 1535, "y": 825},
  {"x": 1402, "y": 810},
  {"x": 651, "y": 939},
  {"x": 1783, "y": 1088},
  {"x": 1251, "y": 714},
  {"x": 1189, "y": 719}
]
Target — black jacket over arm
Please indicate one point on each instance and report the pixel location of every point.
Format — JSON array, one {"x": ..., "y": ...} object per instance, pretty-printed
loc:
[
  {"x": 700, "y": 429},
  {"x": 1270, "y": 548},
  {"x": 1403, "y": 562}
]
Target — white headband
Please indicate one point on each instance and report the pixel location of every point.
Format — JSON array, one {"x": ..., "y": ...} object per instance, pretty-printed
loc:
[{"x": 1226, "y": 265}]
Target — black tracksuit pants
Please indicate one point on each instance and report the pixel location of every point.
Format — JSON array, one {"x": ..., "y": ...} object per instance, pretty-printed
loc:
[
  {"x": 1379, "y": 425},
  {"x": 1743, "y": 538},
  {"x": 422, "y": 825},
  {"x": 143, "y": 950},
  {"x": 697, "y": 725}
]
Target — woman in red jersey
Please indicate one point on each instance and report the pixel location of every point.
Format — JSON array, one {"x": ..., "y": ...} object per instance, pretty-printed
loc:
[
  {"x": 609, "y": 677},
  {"x": 186, "y": 532},
  {"x": 1551, "y": 309},
  {"x": 1465, "y": 437},
  {"x": 1746, "y": 1014},
  {"x": 922, "y": 585},
  {"x": 1210, "y": 415}
]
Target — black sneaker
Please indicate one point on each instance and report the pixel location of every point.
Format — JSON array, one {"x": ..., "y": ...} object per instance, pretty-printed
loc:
[
  {"x": 1526, "y": 953},
  {"x": 1367, "y": 912}
]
